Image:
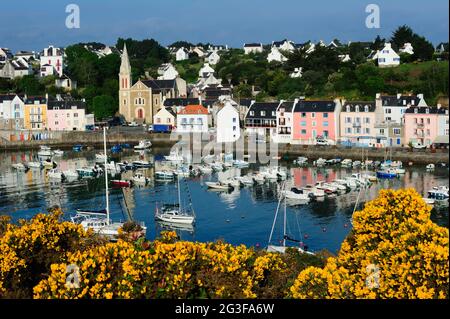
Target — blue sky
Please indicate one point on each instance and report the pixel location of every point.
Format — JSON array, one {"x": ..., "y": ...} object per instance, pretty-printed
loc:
[{"x": 32, "y": 25}]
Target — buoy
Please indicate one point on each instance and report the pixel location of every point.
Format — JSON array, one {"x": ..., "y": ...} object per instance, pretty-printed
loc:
[
  {"x": 306, "y": 236},
  {"x": 227, "y": 220},
  {"x": 257, "y": 245},
  {"x": 345, "y": 225},
  {"x": 324, "y": 229}
]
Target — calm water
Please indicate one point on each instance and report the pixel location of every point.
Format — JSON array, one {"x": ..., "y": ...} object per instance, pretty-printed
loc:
[{"x": 243, "y": 216}]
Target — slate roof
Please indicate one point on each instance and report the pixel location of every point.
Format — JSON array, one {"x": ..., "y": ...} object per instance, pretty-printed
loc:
[
  {"x": 257, "y": 107},
  {"x": 288, "y": 106},
  {"x": 66, "y": 105},
  {"x": 315, "y": 106},
  {"x": 392, "y": 100},
  {"x": 34, "y": 99},
  {"x": 423, "y": 110},
  {"x": 250, "y": 45},
  {"x": 361, "y": 104},
  {"x": 180, "y": 101},
  {"x": 7, "y": 97},
  {"x": 245, "y": 102},
  {"x": 158, "y": 85}
]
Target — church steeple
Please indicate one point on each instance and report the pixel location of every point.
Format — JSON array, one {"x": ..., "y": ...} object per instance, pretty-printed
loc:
[{"x": 125, "y": 70}]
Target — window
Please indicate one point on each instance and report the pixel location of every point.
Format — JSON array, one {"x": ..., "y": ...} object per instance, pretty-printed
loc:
[
  {"x": 75, "y": 114},
  {"x": 325, "y": 123},
  {"x": 348, "y": 108},
  {"x": 68, "y": 114},
  {"x": 303, "y": 132},
  {"x": 313, "y": 123},
  {"x": 428, "y": 121},
  {"x": 234, "y": 120},
  {"x": 273, "y": 113},
  {"x": 234, "y": 128},
  {"x": 348, "y": 130},
  {"x": 357, "y": 119},
  {"x": 303, "y": 114},
  {"x": 358, "y": 130},
  {"x": 325, "y": 115},
  {"x": 348, "y": 120},
  {"x": 397, "y": 131},
  {"x": 252, "y": 113},
  {"x": 56, "y": 115},
  {"x": 388, "y": 118},
  {"x": 56, "y": 123},
  {"x": 313, "y": 115},
  {"x": 366, "y": 109},
  {"x": 387, "y": 111},
  {"x": 168, "y": 120},
  {"x": 303, "y": 123},
  {"x": 367, "y": 130},
  {"x": 263, "y": 113},
  {"x": 404, "y": 102},
  {"x": 356, "y": 108},
  {"x": 367, "y": 120},
  {"x": 158, "y": 120},
  {"x": 325, "y": 134}
]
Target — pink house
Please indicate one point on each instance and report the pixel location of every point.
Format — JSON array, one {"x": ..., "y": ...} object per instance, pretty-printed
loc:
[
  {"x": 66, "y": 115},
  {"x": 422, "y": 124},
  {"x": 313, "y": 119}
]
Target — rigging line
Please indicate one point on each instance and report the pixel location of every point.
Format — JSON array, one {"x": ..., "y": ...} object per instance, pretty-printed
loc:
[{"x": 276, "y": 215}]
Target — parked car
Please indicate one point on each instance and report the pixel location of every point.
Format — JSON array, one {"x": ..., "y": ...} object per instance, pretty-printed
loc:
[
  {"x": 133, "y": 124},
  {"x": 418, "y": 145},
  {"x": 323, "y": 141}
]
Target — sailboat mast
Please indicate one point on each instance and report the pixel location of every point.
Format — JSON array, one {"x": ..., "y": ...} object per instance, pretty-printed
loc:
[
  {"x": 284, "y": 223},
  {"x": 179, "y": 193},
  {"x": 106, "y": 176}
]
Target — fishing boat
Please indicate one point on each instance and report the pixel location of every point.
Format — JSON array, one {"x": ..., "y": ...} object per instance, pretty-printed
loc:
[
  {"x": 121, "y": 182},
  {"x": 164, "y": 175},
  {"x": 100, "y": 220},
  {"x": 55, "y": 174},
  {"x": 19, "y": 166},
  {"x": 282, "y": 249},
  {"x": 297, "y": 194},
  {"x": 176, "y": 213},
  {"x": 301, "y": 160},
  {"x": 430, "y": 167},
  {"x": 438, "y": 192},
  {"x": 387, "y": 173},
  {"x": 143, "y": 145},
  {"x": 219, "y": 185}
]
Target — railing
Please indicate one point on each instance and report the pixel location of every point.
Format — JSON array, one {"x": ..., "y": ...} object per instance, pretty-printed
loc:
[{"x": 356, "y": 124}]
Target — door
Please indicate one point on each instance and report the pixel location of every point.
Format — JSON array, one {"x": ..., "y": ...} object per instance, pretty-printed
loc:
[{"x": 140, "y": 113}]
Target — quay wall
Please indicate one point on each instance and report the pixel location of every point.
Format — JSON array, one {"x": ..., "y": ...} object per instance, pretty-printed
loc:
[{"x": 65, "y": 140}]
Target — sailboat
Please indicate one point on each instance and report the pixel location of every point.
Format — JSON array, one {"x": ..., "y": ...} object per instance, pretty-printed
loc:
[
  {"x": 175, "y": 213},
  {"x": 282, "y": 249},
  {"x": 99, "y": 220}
]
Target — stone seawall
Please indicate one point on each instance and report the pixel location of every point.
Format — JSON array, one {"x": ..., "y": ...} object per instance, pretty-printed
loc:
[{"x": 65, "y": 140}]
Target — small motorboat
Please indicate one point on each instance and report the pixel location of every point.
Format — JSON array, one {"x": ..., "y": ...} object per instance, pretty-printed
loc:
[
  {"x": 86, "y": 172},
  {"x": 297, "y": 194},
  {"x": 139, "y": 178},
  {"x": 339, "y": 187},
  {"x": 219, "y": 185},
  {"x": 399, "y": 170},
  {"x": 174, "y": 156},
  {"x": 143, "y": 145},
  {"x": 121, "y": 183},
  {"x": 356, "y": 163},
  {"x": 326, "y": 187},
  {"x": 58, "y": 152},
  {"x": 55, "y": 174},
  {"x": 301, "y": 160},
  {"x": 246, "y": 180},
  {"x": 346, "y": 163},
  {"x": 19, "y": 167},
  {"x": 438, "y": 192},
  {"x": 70, "y": 174},
  {"x": 141, "y": 164},
  {"x": 164, "y": 175},
  {"x": 387, "y": 173},
  {"x": 430, "y": 167},
  {"x": 232, "y": 182},
  {"x": 316, "y": 192},
  {"x": 371, "y": 178},
  {"x": 125, "y": 166},
  {"x": 35, "y": 165}
]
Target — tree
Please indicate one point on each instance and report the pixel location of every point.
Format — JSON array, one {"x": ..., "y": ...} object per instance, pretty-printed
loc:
[
  {"x": 29, "y": 85},
  {"x": 180, "y": 44},
  {"x": 104, "y": 106},
  {"x": 423, "y": 50},
  {"x": 402, "y": 35},
  {"x": 378, "y": 43},
  {"x": 393, "y": 251}
]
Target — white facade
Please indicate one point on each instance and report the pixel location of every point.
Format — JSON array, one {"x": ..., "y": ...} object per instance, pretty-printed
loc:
[
  {"x": 66, "y": 83},
  {"x": 205, "y": 71},
  {"x": 285, "y": 121},
  {"x": 213, "y": 58},
  {"x": 286, "y": 45},
  {"x": 396, "y": 113},
  {"x": 167, "y": 72},
  {"x": 15, "y": 68},
  {"x": 443, "y": 125},
  {"x": 344, "y": 57},
  {"x": 54, "y": 57},
  {"x": 46, "y": 70},
  {"x": 164, "y": 117},
  {"x": 227, "y": 124},
  {"x": 253, "y": 48},
  {"x": 407, "y": 48},
  {"x": 12, "y": 112},
  {"x": 192, "y": 120},
  {"x": 275, "y": 55},
  {"x": 387, "y": 57},
  {"x": 297, "y": 73},
  {"x": 182, "y": 54}
]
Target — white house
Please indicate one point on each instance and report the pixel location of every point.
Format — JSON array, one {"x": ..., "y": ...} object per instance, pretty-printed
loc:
[
  {"x": 11, "y": 112},
  {"x": 344, "y": 57},
  {"x": 285, "y": 120},
  {"x": 395, "y": 106},
  {"x": 227, "y": 124},
  {"x": 46, "y": 70},
  {"x": 443, "y": 125},
  {"x": 66, "y": 83},
  {"x": 407, "y": 48},
  {"x": 253, "y": 48},
  {"x": 297, "y": 73},
  {"x": 54, "y": 57},
  {"x": 15, "y": 68},
  {"x": 284, "y": 45},
  {"x": 192, "y": 119},
  {"x": 167, "y": 72},
  {"x": 5, "y": 54},
  {"x": 165, "y": 116},
  {"x": 310, "y": 47},
  {"x": 275, "y": 55},
  {"x": 199, "y": 51},
  {"x": 213, "y": 58},
  {"x": 217, "y": 47},
  {"x": 182, "y": 54},
  {"x": 387, "y": 57},
  {"x": 205, "y": 71}
]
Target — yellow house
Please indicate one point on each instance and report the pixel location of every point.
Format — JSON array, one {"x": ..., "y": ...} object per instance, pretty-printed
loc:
[{"x": 35, "y": 113}]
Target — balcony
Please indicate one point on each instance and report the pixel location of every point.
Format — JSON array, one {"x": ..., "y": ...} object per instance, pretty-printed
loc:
[
  {"x": 357, "y": 124},
  {"x": 420, "y": 124}
]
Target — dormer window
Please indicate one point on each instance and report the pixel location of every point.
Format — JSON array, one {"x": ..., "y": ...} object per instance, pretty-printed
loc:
[
  {"x": 252, "y": 113},
  {"x": 415, "y": 111},
  {"x": 348, "y": 108},
  {"x": 413, "y": 102},
  {"x": 404, "y": 102},
  {"x": 263, "y": 113},
  {"x": 366, "y": 109},
  {"x": 427, "y": 110},
  {"x": 356, "y": 108},
  {"x": 273, "y": 113}
]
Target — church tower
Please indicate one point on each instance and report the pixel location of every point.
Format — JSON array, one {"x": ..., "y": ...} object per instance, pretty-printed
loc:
[{"x": 125, "y": 85}]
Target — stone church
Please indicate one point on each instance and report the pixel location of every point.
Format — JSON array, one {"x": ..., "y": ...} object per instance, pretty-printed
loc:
[{"x": 140, "y": 101}]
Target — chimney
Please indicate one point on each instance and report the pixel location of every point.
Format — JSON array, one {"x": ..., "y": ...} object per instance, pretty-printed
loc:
[
  {"x": 46, "y": 97},
  {"x": 399, "y": 95},
  {"x": 420, "y": 96},
  {"x": 439, "y": 106},
  {"x": 200, "y": 100},
  {"x": 378, "y": 96}
]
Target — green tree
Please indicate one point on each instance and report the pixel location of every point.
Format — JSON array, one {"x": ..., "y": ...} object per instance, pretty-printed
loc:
[
  {"x": 104, "y": 106},
  {"x": 29, "y": 85},
  {"x": 402, "y": 35}
]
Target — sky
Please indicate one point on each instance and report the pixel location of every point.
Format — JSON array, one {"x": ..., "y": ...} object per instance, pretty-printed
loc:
[{"x": 33, "y": 25}]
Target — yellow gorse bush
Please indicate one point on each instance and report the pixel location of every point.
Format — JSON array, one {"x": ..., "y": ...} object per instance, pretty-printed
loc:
[{"x": 393, "y": 251}]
